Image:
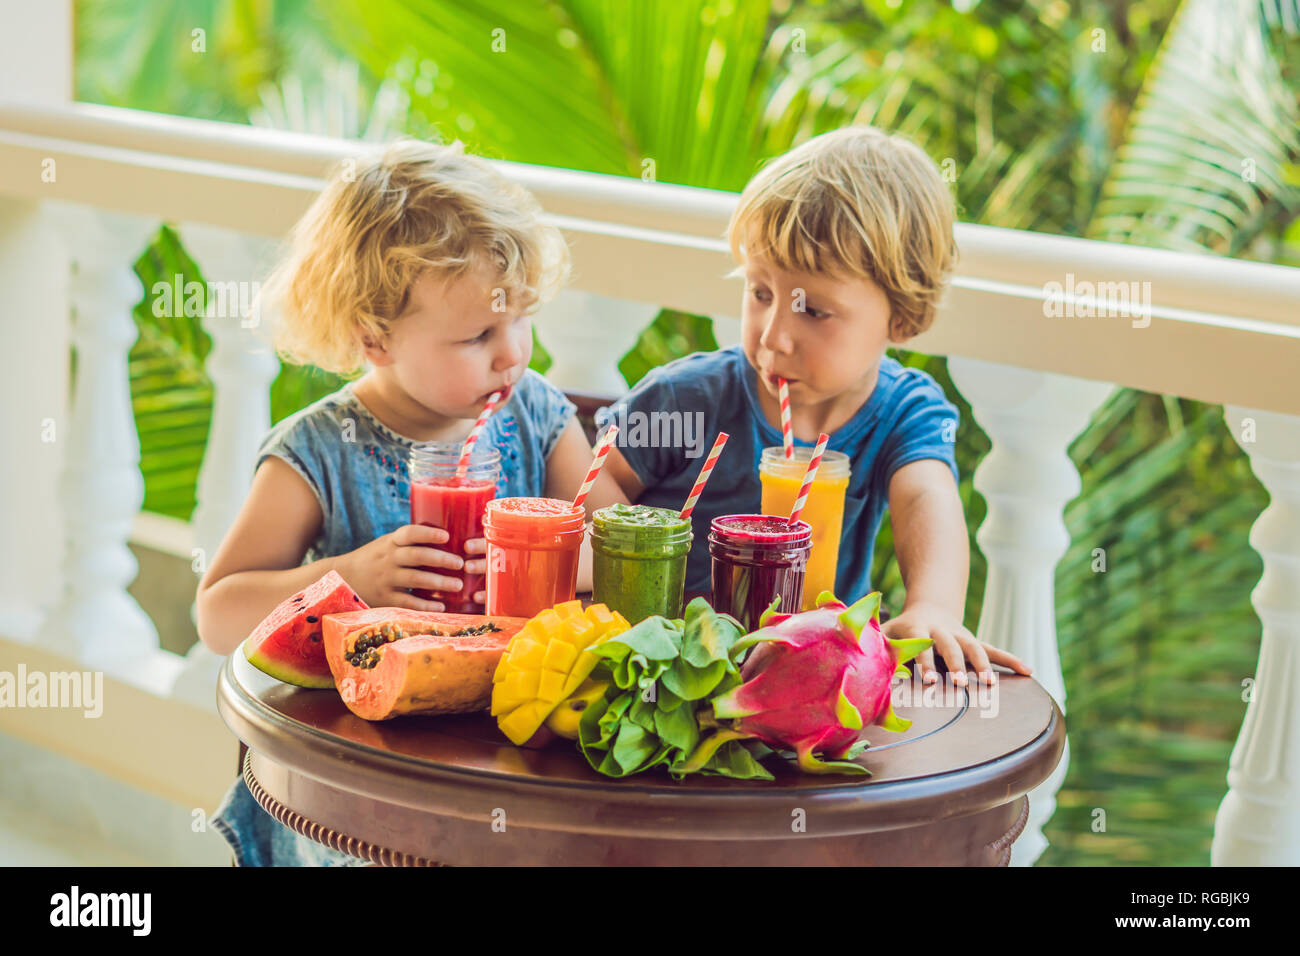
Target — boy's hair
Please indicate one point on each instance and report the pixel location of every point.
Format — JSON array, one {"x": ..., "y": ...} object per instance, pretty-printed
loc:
[
  {"x": 381, "y": 223},
  {"x": 855, "y": 202}
]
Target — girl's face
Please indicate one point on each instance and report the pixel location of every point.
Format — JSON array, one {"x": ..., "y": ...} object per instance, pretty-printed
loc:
[
  {"x": 456, "y": 344},
  {"x": 824, "y": 335}
]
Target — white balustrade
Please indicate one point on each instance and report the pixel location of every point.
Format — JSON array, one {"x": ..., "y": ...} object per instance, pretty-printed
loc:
[
  {"x": 1026, "y": 479},
  {"x": 586, "y": 335},
  {"x": 242, "y": 366},
  {"x": 1258, "y": 823},
  {"x": 34, "y": 338},
  {"x": 101, "y": 490}
]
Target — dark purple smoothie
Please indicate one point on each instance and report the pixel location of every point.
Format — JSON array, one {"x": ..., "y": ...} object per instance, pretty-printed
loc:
[{"x": 757, "y": 558}]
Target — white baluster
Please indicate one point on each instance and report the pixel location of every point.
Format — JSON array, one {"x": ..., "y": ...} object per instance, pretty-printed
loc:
[
  {"x": 101, "y": 488},
  {"x": 1258, "y": 823},
  {"x": 1027, "y": 479},
  {"x": 35, "y": 335},
  {"x": 242, "y": 366},
  {"x": 586, "y": 335}
]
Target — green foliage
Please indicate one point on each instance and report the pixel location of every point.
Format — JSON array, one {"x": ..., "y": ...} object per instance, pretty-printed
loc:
[
  {"x": 670, "y": 336},
  {"x": 1155, "y": 648},
  {"x": 1207, "y": 159},
  {"x": 541, "y": 359},
  {"x": 203, "y": 58},
  {"x": 171, "y": 394},
  {"x": 631, "y": 84}
]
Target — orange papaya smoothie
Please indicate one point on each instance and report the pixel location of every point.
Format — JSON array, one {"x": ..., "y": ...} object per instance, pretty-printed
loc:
[{"x": 532, "y": 553}]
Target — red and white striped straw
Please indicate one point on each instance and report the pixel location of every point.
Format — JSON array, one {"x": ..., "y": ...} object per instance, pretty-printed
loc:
[
  {"x": 787, "y": 430},
  {"x": 808, "y": 477},
  {"x": 602, "y": 450},
  {"x": 705, "y": 470},
  {"x": 462, "y": 466}
]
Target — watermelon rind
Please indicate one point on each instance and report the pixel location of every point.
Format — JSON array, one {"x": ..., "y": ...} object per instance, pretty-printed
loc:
[
  {"x": 282, "y": 645},
  {"x": 283, "y": 672}
]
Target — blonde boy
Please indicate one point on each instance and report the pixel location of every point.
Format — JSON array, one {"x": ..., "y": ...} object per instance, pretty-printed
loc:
[{"x": 846, "y": 245}]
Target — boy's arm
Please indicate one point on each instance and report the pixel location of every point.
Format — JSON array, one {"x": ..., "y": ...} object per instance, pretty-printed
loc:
[
  {"x": 617, "y": 467},
  {"x": 934, "y": 560},
  {"x": 570, "y": 459}
]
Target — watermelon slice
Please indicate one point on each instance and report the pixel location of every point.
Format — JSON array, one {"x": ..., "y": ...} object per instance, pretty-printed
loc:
[{"x": 287, "y": 644}]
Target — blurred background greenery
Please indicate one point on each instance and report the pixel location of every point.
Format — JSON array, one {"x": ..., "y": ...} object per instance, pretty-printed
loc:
[{"x": 1166, "y": 123}]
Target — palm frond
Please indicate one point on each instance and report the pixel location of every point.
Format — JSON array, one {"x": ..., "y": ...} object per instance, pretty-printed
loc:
[
  {"x": 171, "y": 395},
  {"x": 1204, "y": 166}
]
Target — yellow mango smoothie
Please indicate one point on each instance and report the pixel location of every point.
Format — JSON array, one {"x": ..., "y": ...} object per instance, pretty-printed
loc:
[{"x": 824, "y": 510}]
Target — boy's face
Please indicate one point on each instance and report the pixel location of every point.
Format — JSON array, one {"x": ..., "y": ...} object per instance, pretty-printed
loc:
[
  {"x": 825, "y": 335},
  {"x": 451, "y": 349}
]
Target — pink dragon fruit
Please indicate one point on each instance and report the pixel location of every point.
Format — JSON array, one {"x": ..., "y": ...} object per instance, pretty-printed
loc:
[{"x": 812, "y": 682}]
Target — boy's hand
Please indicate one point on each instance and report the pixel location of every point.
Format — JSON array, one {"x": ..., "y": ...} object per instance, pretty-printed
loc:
[
  {"x": 953, "y": 641},
  {"x": 382, "y": 571}
]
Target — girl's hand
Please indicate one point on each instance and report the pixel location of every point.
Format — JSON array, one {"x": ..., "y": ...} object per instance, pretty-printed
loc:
[
  {"x": 382, "y": 571},
  {"x": 477, "y": 565},
  {"x": 953, "y": 641}
]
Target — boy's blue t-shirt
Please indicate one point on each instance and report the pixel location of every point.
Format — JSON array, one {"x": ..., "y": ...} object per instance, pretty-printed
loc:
[
  {"x": 357, "y": 468},
  {"x": 906, "y": 418}
]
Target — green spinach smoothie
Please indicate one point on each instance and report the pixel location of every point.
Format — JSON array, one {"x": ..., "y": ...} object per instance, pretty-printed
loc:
[{"x": 639, "y": 560}]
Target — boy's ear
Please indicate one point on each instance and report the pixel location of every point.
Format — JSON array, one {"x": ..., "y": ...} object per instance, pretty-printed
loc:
[
  {"x": 895, "y": 338},
  {"x": 375, "y": 351}
]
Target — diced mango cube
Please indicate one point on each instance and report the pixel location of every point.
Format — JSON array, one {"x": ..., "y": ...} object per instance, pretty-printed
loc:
[
  {"x": 527, "y": 654},
  {"x": 599, "y": 615},
  {"x": 584, "y": 665},
  {"x": 503, "y": 703},
  {"x": 560, "y": 655},
  {"x": 569, "y": 608},
  {"x": 523, "y": 722},
  {"x": 532, "y": 631},
  {"x": 578, "y": 631},
  {"x": 551, "y": 687},
  {"x": 503, "y": 668},
  {"x": 571, "y": 685},
  {"x": 522, "y": 684},
  {"x": 518, "y": 687},
  {"x": 548, "y": 621}
]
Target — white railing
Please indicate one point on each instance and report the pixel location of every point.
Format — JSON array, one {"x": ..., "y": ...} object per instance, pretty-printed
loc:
[{"x": 99, "y": 179}]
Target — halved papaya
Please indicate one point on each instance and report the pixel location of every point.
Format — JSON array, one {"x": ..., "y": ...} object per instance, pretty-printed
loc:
[{"x": 390, "y": 661}]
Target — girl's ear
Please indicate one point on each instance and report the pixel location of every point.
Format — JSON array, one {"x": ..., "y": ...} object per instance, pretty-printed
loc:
[{"x": 375, "y": 350}]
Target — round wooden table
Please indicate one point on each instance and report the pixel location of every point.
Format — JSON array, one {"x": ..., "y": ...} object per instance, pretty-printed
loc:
[{"x": 452, "y": 790}]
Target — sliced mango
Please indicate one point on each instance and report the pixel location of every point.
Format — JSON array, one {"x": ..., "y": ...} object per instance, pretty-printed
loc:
[
  {"x": 569, "y": 609},
  {"x": 563, "y": 721},
  {"x": 546, "y": 664}
]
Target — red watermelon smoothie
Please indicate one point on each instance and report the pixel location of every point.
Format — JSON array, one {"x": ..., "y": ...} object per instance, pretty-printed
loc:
[
  {"x": 441, "y": 498},
  {"x": 757, "y": 558},
  {"x": 532, "y": 553}
]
